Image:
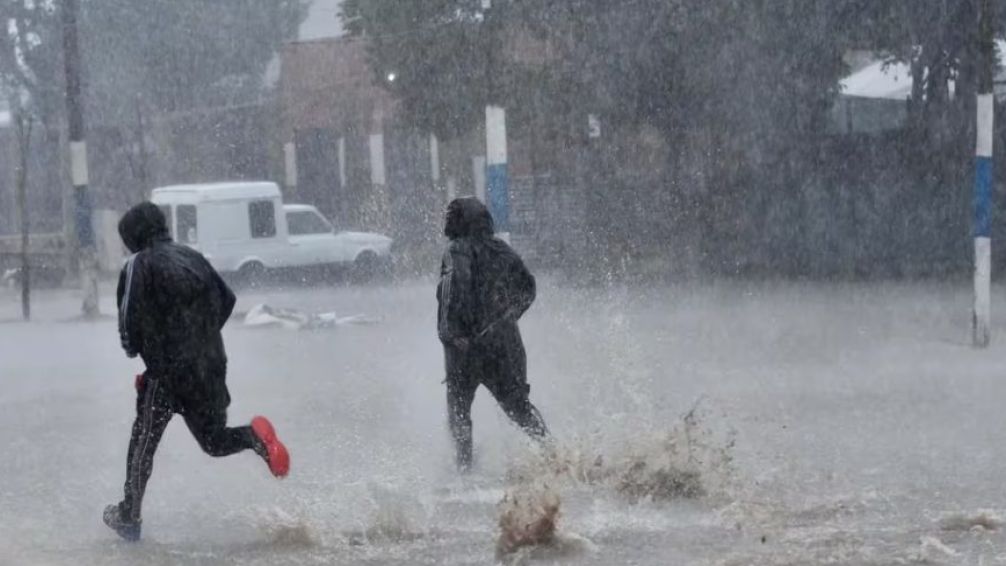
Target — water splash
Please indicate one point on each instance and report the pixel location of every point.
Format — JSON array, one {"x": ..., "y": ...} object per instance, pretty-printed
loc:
[
  {"x": 688, "y": 461},
  {"x": 529, "y": 527},
  {"x": 529, "y": 514},
  {"x": 284, "y": 530},
  {"x": 984, "y": 520},
  {"x": 395, "y": 518}
]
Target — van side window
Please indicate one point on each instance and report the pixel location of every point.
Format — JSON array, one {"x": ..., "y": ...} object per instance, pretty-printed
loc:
[
  {"x": 262, "y": 216},
  {"x": 166, "y": 209},
  {"x": 187, "y": 227}
]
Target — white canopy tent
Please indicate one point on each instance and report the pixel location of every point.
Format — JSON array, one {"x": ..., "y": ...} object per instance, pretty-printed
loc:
[
  {"x": 888, "y": 81},
  {"x": 893, "y": 80},
  {"x": 872, "y": 98}
]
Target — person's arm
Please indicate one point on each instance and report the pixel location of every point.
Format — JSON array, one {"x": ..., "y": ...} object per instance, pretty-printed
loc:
[
  {"x": 225, "y": 296},
  {"x": 456, "y": 301},
  {"x": 526, "y": 289},
  {"x": 130, "y": 299}
]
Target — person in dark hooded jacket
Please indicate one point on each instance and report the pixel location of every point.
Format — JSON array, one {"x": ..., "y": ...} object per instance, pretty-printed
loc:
[
  {"x": 172, "y": 307},
  {"x": 484, "y": 289}
]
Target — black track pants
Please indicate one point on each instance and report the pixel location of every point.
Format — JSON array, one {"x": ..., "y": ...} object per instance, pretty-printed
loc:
[
  {"x": 505, "y": 377},
  {"x": 154, "y": 408}
]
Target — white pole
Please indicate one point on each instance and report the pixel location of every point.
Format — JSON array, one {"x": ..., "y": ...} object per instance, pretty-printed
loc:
[
  {"x": 342, "y": 162},
  {"x": 290, "y": 166},
  {"x": 497, "y": 179},
  {"x": 377, "y": 173},
  {"x": 479, "y": 176},
  {"x": 434, "y": 159}
]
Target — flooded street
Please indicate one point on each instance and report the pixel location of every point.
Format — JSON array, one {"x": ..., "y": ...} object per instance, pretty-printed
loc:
[
  {"x": 840, "y": 424},
  {"x": 750, "y": 249}
]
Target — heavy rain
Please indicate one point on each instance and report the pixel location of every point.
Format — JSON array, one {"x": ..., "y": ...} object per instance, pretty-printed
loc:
[{"x": 709, "y": 282}]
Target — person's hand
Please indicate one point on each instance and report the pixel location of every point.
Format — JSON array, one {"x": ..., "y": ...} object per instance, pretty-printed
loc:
[
  {"x": 138, "y": 383},
  {"x": 462, "y": 343}
]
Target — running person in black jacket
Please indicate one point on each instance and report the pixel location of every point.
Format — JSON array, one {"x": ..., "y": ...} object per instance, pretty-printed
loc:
[
  {"x": 172, "y": 306},
  {"x": 484, "y": 289}
]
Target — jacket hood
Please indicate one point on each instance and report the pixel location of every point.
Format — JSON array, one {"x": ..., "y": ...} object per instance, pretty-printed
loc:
[
  {"x": 468, "y": 218},
  {"x": 142, "y": 226}
]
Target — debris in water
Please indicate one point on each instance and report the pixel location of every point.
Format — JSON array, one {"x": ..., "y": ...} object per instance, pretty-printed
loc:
[{"x": 265, "y": 316}]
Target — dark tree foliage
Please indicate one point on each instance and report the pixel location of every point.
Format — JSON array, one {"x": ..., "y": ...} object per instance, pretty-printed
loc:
[
  {"x": 184, "y": 54},
  {"x": 438, "y": 51},
  {"x": 176, "y": 55},
  {"x": 672, "y": 64},
  {"x": 740, "y": 91}
]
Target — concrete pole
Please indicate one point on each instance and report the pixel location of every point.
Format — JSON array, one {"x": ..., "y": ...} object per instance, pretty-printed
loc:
[{"x": 78, "y": 160}]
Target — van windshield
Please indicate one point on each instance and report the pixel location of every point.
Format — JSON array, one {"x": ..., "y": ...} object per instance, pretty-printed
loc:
[{"x": 306, "y": 222}]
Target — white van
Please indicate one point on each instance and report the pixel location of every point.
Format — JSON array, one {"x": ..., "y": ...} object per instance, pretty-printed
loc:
[{"x": 243, "y": 228}]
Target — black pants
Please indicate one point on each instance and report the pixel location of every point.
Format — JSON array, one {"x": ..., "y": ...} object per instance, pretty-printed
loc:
[
  {"x": 155, "y": 405},
  {"x": 502, "y": 369}
]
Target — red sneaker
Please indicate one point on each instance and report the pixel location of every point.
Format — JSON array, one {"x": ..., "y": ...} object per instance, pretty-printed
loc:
[{"x": 275, "y": 453}]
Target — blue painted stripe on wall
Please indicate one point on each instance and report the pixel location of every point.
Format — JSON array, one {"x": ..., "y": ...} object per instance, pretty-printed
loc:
[
  {"x": 498, "y": 188},
  {"x": 983, "y": 198}
]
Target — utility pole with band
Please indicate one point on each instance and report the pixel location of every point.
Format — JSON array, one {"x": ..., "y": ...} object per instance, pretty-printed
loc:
[
  {"x": 78, "y": 160},
  {"x": 982, "y": 227},
  {"x": 497, "y": 176}
]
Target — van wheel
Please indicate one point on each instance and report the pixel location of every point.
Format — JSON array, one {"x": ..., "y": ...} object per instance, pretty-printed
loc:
[
  {"x": 252, "y": 274},
  {"x": 365, "y": 267}
]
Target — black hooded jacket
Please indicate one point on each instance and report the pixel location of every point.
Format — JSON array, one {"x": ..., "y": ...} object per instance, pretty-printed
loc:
[
  {"x": 172, "y": 303},
  {"x": 484, "y": 285}
]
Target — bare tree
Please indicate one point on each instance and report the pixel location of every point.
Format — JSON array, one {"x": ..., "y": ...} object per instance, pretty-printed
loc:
[{"x": 136, "y": 153}]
